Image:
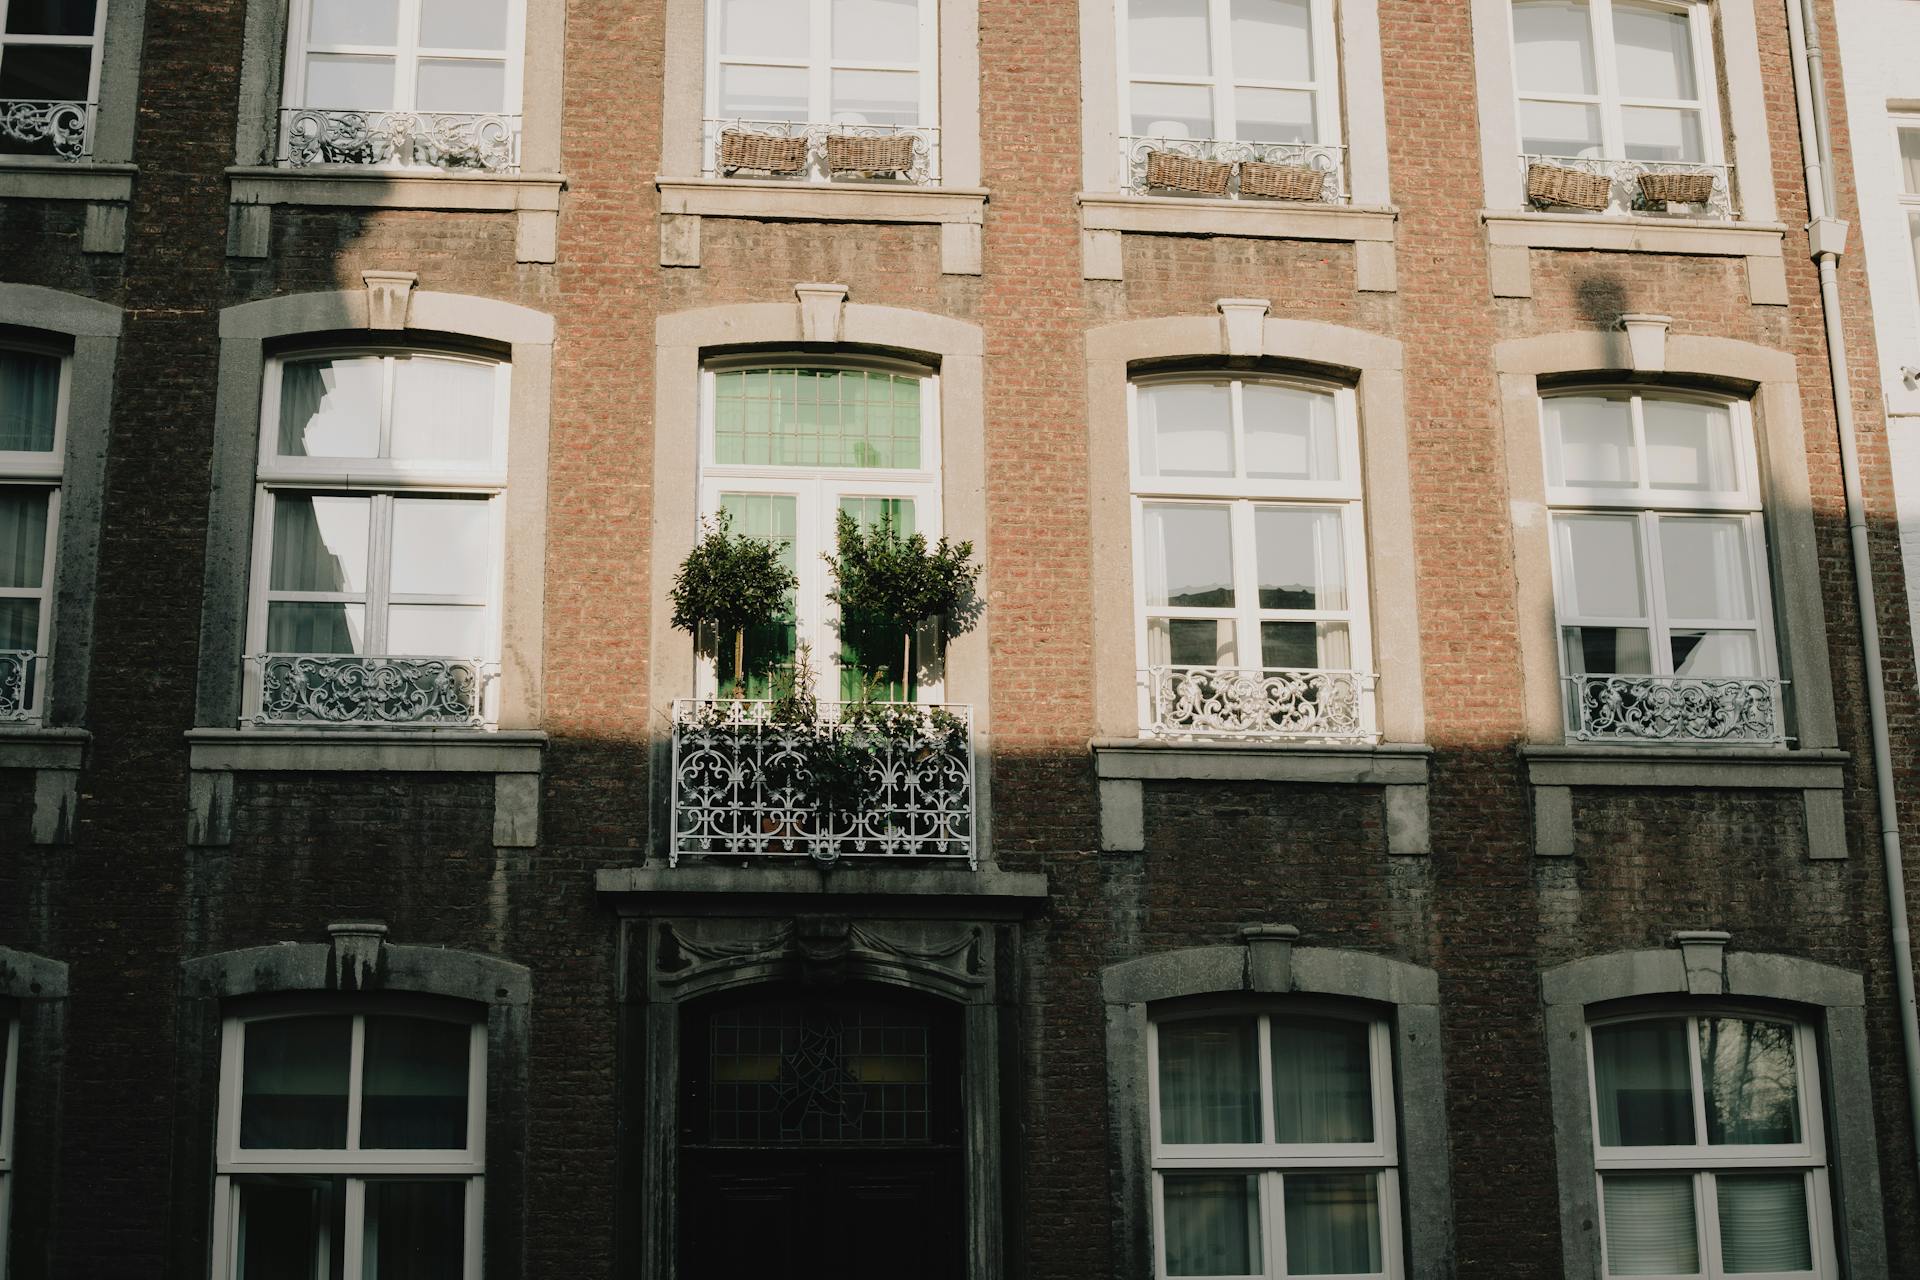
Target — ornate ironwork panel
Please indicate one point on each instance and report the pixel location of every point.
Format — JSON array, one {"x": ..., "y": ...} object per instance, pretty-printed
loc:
[
  {"x": 822, "y": 780},
  {"x": 923, "y": 171},
  {"x": 1616, "y": 708},
  {"x": 801, "y": 1073},
  {"x": 302, "y": 688},
  {"x": 1328, "y": 159},
  {"x": 481, "y": 142},
  {"x": 20, "y": 672},
  {"x": 67, "y": 127},
  {"x": 1269, "y": 702},
  {"x": 1625, "y": 175}
]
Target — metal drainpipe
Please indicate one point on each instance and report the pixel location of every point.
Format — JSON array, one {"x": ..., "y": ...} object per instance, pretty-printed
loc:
[{"x": 1828, "y": 236}]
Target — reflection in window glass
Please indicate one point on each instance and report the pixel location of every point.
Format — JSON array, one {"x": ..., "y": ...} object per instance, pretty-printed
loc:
[{"x": 1640, "y": 1076}]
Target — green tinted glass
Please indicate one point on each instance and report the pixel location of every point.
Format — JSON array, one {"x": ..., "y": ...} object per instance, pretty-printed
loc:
[{"x": 816, "y": 418}]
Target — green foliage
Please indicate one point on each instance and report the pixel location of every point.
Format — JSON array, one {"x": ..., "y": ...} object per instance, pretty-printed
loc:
[
  {"x": 889, "y": 583},
  {"x": 730, "y": 583}
]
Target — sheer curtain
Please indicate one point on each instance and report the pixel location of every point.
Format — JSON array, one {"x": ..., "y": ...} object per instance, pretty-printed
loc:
[
  {"x": 1650, "y": 1226},
  {"x": 29, "y": 399},
  {"x": 1333, "y": 1223},
  {"x": 442, "y": 410},
  {"x": 1212, "y": 1224},
  {"x": 1322, "y": 1087},
  {"x": 1209, "y": 1081},
  {"x": 23, "y": 560}
]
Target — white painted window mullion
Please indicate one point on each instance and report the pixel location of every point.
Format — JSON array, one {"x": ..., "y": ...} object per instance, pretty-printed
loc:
[{"x": 1226, "y": 122}]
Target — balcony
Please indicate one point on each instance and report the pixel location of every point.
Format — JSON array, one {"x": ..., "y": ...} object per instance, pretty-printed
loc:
[
  {"x": 1643, "y": 187},
  {"x": 458, "y": 142},
  {"x": 337, "y": 689},
  {"x": 803, "y": 151},
  {"x": 1739, "y": 711},
  {"x": 822, "y": 780},
  {"x": 22, "y": 674},
  {"x": 1269, "y": 703},
  {"x": 1253, "y": 171},
  {"x": 61, "y": 129}
]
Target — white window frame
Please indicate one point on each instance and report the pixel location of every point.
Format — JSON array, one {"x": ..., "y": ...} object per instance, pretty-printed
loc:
[
  {"x": 355, "y": 1165},
  {"x": 384, "y": 480},
  {"x": 1271, "y": 1161},
  {"x": 1705, "y": 1161},
  {"x": 1650, "y": 506},
  {"x": 817, "y": 491},
  {"x": 1325, "y": 87},
  {"x": 1909, "y": 202},
  {"x": 9, "y": 1089},
  {"x": 36, "y": 469},
  {"x": 94, "y": 42},
  {"x": 1242, "y": 497},
  {"x": 407, "y": 53}
]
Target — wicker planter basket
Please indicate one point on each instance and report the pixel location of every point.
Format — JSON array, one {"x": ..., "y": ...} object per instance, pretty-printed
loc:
[
  {"x": 890, "y": 154},
  {"x": 1281, "y": 181},
  {"x": 1185, "y": 173},
  {"x": 767, "y": 151},
  {"x": 1552, "y": 184},
  {"x": 1676, "y": 188}
]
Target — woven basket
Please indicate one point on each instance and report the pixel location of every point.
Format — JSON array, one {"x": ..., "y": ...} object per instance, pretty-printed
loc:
[
  {"x": 1281, "y": 181},
  {"x": 1552, "y": 184},
  {"x": 892, "y": 153},
  {"x": 1184, "y": 173},
  {"x": 767, "y": 151},
  {"x": 1676, "y": 188}
]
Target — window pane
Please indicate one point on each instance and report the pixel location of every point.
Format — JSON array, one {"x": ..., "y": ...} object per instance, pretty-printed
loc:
[
  {"x": 774, "y": 517},
  {"x": 316, "y": 628},
  {"x": 817, "y": 417},
  {"x": 1322, "y": 1086},
  {"x": 23, "y": 538},
  {"x": 1751, "y": 1082},
  {"x": 1715, "y": 653},
  {"x": 1553, "y": 46},
  {"x": 1290, "y": 433},
  {"x": 763, "y": 29},
  {"x": 1705, "y": 565},
  {"x": 1212, "y": 1224},
  {"x": 1186, "y": 429},
  {"x": 331, "y": 408},
  {"x": 1333, "y": 1224},
  {"x": 763, "y": 93},
  {"x": 1302, "y": 558},
  {"x": 20, "y": 625},
  {"x": 869, "y": 512},
  {"x": 1168, "y": 37},
  {"x": 875, "y": 30},
  {"x": 1614, "y": 650},
  {"x": 415, "y": 1230},
  {"x": 414, "y": 1084},
  {"x": 1763, "y": 1222},
  {"x": 293, "y": 1092},
  {"x": 1660, "y": 133},
  {"x": 1189, "y": 557},
  {"x": 29, "y": 401},
  {"x": 1641, "y": 1084},
  {"x": 1653, "y": 52},
  {"x": 319, "y": 543},
  {"x": 1209, "y": 1081},
  {"x": 1601, "y": 557},
  {"x": 1274, "y": 115},
  {"x": 1910, "y": 161},
  {"x": 1172, "y": 111},
  {"x": 876, "y": 97},
  {"x": 290, "y": 1228},
  {"x": 1690, "y": 446},
  {"x": 41, "y": 73},
  {"x": 463, "y": 24},
  {"x": 50, "y": 17},
  {"x": 443, "y": 409},
  {"x": 428, "y": 630},
  {"x": 1273, "y": 40},
  {"x": 1650, "y": 1229},
  {"x": 467, "y": 85},
  {"x": 1192, "y": 642},
  {"x": 1590, "y": 442},
  {"x": 1559, "y": 129},
  {"x": 354, "y": 22},
  {"x": 1311, "y": 646},
  {"x": 337, "y": 82},
  {"x": 441, "y": 546}
]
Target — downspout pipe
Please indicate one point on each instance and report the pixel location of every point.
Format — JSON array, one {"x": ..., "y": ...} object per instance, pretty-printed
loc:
[{"x": 1828, "y": 238}]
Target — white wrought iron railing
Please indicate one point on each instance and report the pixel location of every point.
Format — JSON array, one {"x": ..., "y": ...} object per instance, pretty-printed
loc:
[
  {"x": 329, "y": 688},
  {"x": 1741, "y": 710},
  {"x": 65, "y": 127},
  {"x": 477, "y": 142},
  {"x": 1330, "y": 160},
  {"x": 822, "y": 780},
  {"x": 1283, "y": 703},
  {"x": 921, "y": 168},
  {"x": 23, "y": 674},
  {"x": 1624, "y": 191}
]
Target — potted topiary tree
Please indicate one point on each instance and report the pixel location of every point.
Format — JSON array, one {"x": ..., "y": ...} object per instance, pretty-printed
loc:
[
  {"x": 898, "y": 583},
  {"x": 730, "y": 582}
]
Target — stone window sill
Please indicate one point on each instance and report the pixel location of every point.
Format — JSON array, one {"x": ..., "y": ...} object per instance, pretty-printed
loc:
[
  {"x": 1123, "y": 767},
  {"x": 1512, "y": 234},
  {"x": 1023, "y": 891},
  {"x": 1106, "y": 216},
  {"x": 513, "y": 757},
  {"x": 106, "y": 188},
  {"x": 1553, "y": 772},
  {"x": 55, "y": 758},
  {"x": 959, "y": 212},
  {"x": 534, "y": 198}
]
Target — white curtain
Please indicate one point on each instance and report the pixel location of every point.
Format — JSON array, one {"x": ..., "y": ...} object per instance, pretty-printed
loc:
[
  {"x": 1650, "y": 1226},
  {"x": 1212, "y": 1224},
  {"x": 442, "y": 410},
  {"x": 29, "y": 399},
  {"x": 1333, "y": 1224},
  {"x": 23, "y": 559},
  {"x": 1322, "y": 1086},
  {"x": 1209, "y": 1081},
  {"x": 1763, "y": 1222}
]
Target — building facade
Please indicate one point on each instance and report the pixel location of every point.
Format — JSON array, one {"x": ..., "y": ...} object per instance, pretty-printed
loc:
[{"x": 1400, "y": 803}]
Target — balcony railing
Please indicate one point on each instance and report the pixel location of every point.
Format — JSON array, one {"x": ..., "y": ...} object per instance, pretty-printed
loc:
[
  {"x": 1619, "y": 188},
  {"x": 1279, "y": 703},
  {"x": 22, "y": 673},
  {"x": 473, "y": 142},
  {"x": 325, "y": 688},
  {"x": 65, "y": 127},
  {"x": 1328, "y": 160},
  {"x": 806, "y": 151},
  {"x": 830, "y": 781},
  {"x": 1742, "y": 710}
]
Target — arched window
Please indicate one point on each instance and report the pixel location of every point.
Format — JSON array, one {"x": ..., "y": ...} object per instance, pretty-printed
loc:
[{"x": 34, "y": 388}]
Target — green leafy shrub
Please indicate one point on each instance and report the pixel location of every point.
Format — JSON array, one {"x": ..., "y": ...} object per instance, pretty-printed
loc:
[
  {"x": 728, "y": 584},
  {"x": 892, "y": 584}
]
